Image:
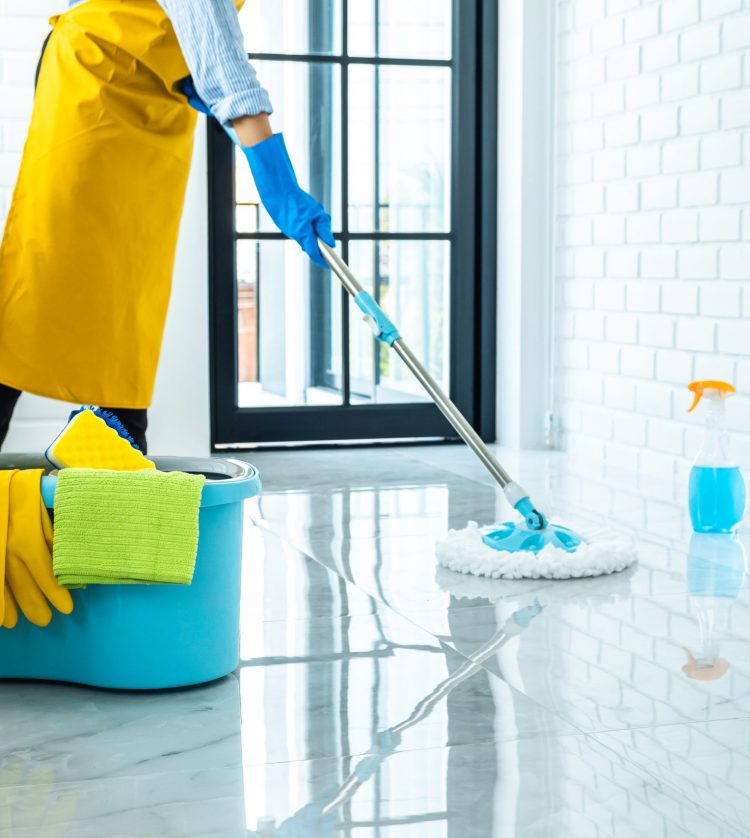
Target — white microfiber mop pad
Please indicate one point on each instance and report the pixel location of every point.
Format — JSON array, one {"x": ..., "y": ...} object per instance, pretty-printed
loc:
[{"x": 463, "y": 551}]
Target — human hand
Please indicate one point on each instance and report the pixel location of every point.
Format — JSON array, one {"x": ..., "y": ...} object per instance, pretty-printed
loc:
[{"x": 297, "y": 214}]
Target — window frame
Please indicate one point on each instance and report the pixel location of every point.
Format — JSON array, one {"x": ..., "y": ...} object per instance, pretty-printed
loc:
[{"x": 473, "y": 268}]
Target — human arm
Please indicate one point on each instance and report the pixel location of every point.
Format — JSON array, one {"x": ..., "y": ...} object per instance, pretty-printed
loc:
[
  {"x": 252, "y": 130},
  {"x": 210, "y": 32},
  {"x": 212, "y": 44}
]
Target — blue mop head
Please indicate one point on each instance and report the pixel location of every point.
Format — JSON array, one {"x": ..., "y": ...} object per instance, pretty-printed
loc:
[
  {"x": 516, "y": 551},
  {"x": 533, "y": 535},
  {"x": 533, "y": 549},
  {"x": 516, "y": 538}
]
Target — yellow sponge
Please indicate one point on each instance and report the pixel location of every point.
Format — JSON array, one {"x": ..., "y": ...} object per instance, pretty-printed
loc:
[{"x": 89, "y": 442}]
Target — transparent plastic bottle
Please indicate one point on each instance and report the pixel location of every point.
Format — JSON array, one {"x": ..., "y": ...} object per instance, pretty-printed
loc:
[{"x": 717, "y": 493}]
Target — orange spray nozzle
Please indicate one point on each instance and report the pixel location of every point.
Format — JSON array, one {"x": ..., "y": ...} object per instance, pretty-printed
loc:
[{"x": 699, "y": 388}]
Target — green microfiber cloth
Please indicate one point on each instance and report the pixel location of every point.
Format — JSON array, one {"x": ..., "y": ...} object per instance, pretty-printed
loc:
[{"x": 125, "y": 527}]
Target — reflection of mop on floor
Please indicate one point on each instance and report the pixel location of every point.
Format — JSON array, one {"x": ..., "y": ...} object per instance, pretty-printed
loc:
[
  {"x": 595, "y": 590},
  {"x": 716, "y": 569},
  {"x": 317, "y": 818}
]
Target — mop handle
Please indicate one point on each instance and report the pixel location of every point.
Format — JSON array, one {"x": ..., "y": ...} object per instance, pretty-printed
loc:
[
  {"x": 447, "y": 685},
  {"x": 358, "y": 777},
  {"x": 386, "y": 332}
]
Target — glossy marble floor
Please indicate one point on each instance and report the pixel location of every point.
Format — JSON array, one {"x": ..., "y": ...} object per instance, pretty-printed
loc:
[{"x": 381, "y": 696}]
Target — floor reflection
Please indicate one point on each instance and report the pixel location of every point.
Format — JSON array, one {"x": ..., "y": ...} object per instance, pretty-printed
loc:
[
  {"x": 363, "y": 691},
  {"x": 604, "y": 655},
  {"x": 380, "y": 695}
]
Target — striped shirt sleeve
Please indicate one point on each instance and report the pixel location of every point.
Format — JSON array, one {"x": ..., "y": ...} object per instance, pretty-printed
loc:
[{"x": 213, "y": 46}]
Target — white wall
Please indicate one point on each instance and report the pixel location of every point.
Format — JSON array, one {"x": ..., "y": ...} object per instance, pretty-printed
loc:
[
  {"x": 180, "y": 416},
  {"x": 526, "y": 109},
  {"x": 653, "y": 226}
]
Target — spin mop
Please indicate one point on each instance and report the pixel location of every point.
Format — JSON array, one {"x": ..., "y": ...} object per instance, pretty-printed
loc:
[{"x": 533, "y": 548}]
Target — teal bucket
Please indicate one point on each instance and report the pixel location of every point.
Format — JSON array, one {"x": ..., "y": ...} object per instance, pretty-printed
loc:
[{"x": 148, "y": 637}]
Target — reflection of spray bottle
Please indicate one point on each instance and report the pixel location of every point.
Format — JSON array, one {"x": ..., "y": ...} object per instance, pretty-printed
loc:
[
  {"x": 716, "y": 568},
  {"x": 717, "y": 489}
]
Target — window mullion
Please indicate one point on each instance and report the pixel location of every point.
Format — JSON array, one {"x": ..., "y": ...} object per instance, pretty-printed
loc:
[
  {"x": 381, "y": 61},
  {"x": 345, "y": 359}
]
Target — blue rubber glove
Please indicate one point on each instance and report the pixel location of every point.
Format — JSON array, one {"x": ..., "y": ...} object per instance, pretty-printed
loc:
[
  {"x": 194, "y": 100},
  {"x": 297, "y": 214}
]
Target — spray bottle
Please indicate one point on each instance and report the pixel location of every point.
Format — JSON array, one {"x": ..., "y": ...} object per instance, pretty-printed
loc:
[{"x": 717, "y": 489}]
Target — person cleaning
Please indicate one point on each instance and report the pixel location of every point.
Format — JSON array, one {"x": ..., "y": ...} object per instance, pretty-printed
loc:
[{"x": 88, "y": 250}]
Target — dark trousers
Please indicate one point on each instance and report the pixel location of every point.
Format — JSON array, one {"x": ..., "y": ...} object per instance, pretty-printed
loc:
[{"x": 135, "y": 421}]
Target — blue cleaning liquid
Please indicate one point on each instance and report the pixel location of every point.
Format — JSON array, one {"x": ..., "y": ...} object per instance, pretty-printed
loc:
[{"x": 717, "y": 498}]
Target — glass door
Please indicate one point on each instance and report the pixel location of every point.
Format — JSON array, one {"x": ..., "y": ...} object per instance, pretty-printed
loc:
[{"x": 380, "y": 103}]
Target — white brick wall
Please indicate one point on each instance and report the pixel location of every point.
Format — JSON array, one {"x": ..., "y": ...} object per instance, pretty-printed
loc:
[{"x": 653, "y": 224}]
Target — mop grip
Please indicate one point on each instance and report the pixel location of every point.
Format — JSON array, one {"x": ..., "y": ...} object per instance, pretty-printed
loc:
[
  {"x": 382, "y": 326},
  {"x": 384, "y": 329}
]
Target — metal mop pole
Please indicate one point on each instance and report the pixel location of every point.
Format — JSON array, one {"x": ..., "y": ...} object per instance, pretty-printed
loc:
[{"x": 386, "y": 332}]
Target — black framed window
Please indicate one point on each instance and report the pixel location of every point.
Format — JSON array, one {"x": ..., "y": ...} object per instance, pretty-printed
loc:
[{"x": 389, "y": 112}]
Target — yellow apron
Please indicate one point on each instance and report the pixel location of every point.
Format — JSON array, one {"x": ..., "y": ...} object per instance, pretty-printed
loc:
[{"x": 88, "y": 251}]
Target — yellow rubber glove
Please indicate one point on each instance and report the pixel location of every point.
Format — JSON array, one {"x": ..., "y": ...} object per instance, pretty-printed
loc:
[
  {"x": 6, "y": 609},
  {"x": 28, "y": 561},
  {"x": 11, "y": 610}
]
